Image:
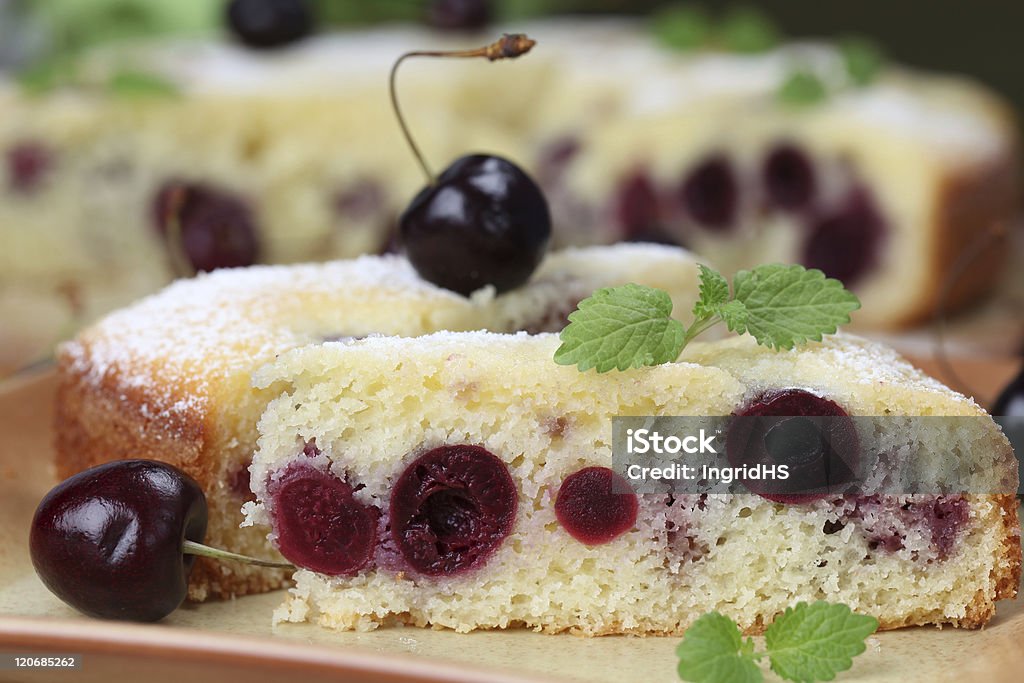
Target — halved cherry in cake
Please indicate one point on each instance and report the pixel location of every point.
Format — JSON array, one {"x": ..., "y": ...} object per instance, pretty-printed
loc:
[
  {"x": 845, "y": 242},
  {"x": 788, "y": 177},
  {"x": 710, "y": 194},
  {"x": 27, "y": 166},
  {"x": 320, "y": 525},
  {"x": 813, "y": 436},
  {"x": 946, "y": 516},
  {"x": 215, "y": 228},
  {"x": 637, "y": 209},
  {"x": 451, "y": 508},
  {"x": 596, "y": 505}
]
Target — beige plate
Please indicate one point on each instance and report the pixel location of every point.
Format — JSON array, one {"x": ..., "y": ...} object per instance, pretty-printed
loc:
[{"x": 234, "y": 641}]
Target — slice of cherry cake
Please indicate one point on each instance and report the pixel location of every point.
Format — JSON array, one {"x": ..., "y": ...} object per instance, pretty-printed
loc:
[
  {"x": 169, "y": 377},
  {"x": 463, "y": 481}
]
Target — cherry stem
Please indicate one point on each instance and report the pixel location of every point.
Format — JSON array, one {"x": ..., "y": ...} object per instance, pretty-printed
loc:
[
  {"x": 509, "y": 46},
  {"x": 193, "y": 548}
]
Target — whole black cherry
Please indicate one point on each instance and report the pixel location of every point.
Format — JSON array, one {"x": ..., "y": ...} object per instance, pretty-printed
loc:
[
  {"x": 118, "y": 541},
  {"x": 483, "y": 221},
  {"x": 459, "y": 15},
  {"x": 268, "y": 24},
  {"x": 109, "y": 541}
]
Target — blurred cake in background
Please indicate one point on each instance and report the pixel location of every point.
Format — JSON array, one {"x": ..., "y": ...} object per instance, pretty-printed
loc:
[{"x": 126, "y": 159}]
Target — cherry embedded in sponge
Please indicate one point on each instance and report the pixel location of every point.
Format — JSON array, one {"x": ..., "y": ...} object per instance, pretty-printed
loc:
[
  {"x": 788, "y": 177},
  {"x": 212, "y": 227},
  {"x": 812, "y": 436},
  {"x": 595, "y": 505},
  {"x": 319, "y": 523},
  {"x": 710, "y": 194},
  {"x": 451, "y": 508}
]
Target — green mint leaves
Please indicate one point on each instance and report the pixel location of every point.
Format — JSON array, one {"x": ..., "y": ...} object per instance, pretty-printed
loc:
[
  {"x": 714, "y": 651},
  {"x": 807, "y": 643},
  {"x": 621, "y": 328},
  {"x": 814, "y": 642},
  {"x": 65, "y": 73},
  {"x": 790, "y": 305},
  {"x": 683, "y": 27},
  {"x": 686, "y": 27},
  {"x": 802, "y": 88},
  {"x": 631, "y": 326},
  {"x": 862, "y": 59},
  {"x": 862, "y": 62}
]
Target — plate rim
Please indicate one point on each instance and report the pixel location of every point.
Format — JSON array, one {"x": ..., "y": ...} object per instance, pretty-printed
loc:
[{"x": 96, "y": 637}]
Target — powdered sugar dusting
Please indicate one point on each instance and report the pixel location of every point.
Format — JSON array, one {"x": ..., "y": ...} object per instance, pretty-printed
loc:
[{"x": 215, "y": 327}]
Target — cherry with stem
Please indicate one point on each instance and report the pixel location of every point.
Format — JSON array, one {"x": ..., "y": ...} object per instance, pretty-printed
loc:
[{"x": 483, "y": 221}]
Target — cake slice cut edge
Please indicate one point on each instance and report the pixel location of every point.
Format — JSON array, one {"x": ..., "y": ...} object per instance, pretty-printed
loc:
[{"x": 374, "y": 413}]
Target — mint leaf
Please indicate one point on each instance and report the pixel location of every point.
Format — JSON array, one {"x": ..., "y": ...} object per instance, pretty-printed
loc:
[
  {"x": 141, "y": 84},
  {"x": 714, "y": 291},
  {"x": 48, "y": 75},
  {"x": 734, "y": 314},
  {"x": 621, "y": 327},
  {"x": 748, "y": 30},
  {"x": 862, "y": 59},
  {"x": 790, "y": 305},
  {"x": 713, "y": 651},
  {"x": 682, "y": 27},
  {"x": 814, "y": 642},
  {"x": 802, "y": 88}
]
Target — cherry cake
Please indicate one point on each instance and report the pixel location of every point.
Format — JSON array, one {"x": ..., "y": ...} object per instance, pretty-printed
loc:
[
  {"x": 295, "y": 156},
  {"x": 464, "y": 481},
  {"x": 169, "y": 378}
]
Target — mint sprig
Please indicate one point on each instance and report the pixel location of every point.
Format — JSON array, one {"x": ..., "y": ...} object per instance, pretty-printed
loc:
[
  {"x": 621, "y": 328},
  {"x": 802, "y": 88},
  {"x": 862, "y": 59},
  {"x": 806, "y": 643},
  {"x": 632, "y": 326}
]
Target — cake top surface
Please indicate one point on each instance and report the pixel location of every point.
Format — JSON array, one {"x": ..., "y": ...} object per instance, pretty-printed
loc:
[
  {"x": 218, "y": 327},
  {"x": 842, "y": 364}
]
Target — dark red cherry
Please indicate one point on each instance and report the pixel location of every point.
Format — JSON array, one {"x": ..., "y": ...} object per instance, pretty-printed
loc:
[
  {"x": 319, "y": 523},
  {"x": 946, "y": 516},
  {"x": 710, "y": 194},
  {"x": 269, "y": 23},
  {"x": 813, "y": 436},
  {"x": 788, "y": 177},
  {"x": 482, "y": 222},
  {"x": 27, "y": 166},
  {"x": 108, "y": 541},
  {"x": 845, "y": 243},
  {"x": 459, "y": 15},
  {"x": 596, "y": 505},
  {"x": 637, "y": 210},
  {"x": 451, "y": 508},
  {"x": 217, "y": 229}
]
